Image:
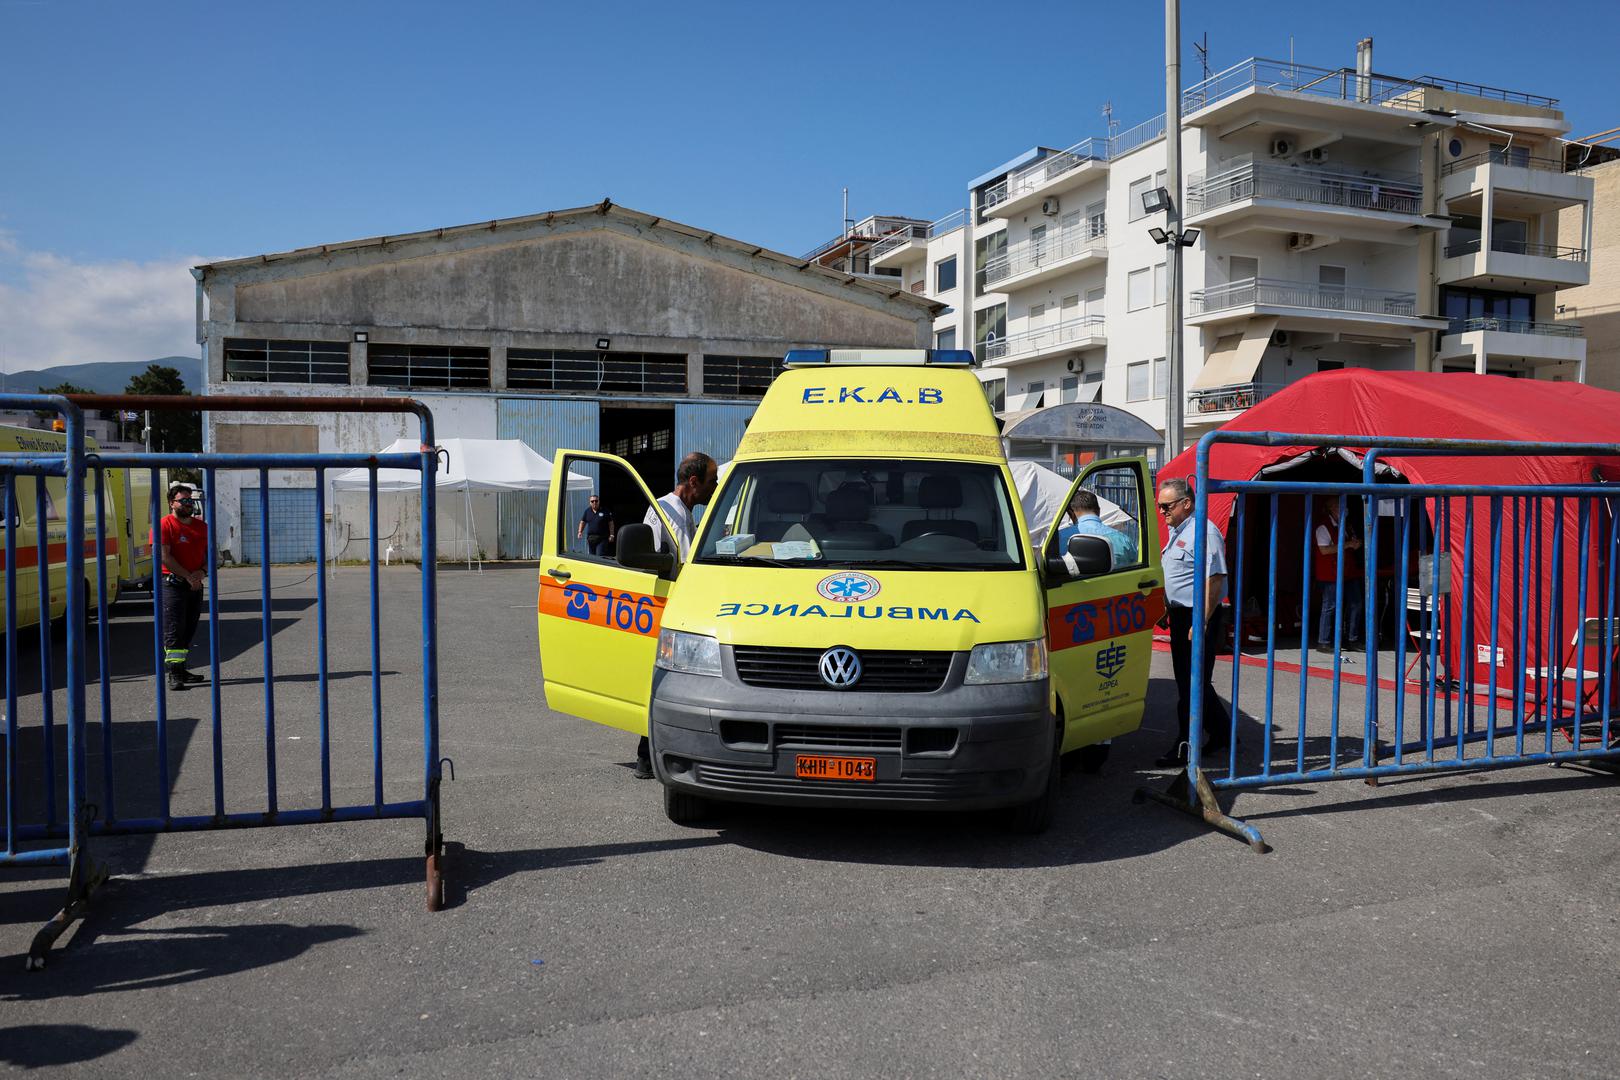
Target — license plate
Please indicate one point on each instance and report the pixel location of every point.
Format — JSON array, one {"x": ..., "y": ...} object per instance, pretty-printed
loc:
[{"x": 820, "y": 767}]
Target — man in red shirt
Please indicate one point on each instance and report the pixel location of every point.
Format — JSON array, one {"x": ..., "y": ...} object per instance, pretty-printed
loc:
[{"x": 185, "y": 555}]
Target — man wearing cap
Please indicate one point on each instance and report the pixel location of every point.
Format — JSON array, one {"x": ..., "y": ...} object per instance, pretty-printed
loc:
[{"x": 184, "y": 555}]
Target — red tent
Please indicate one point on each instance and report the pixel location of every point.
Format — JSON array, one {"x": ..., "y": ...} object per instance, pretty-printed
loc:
[{"x": 1419, "y": 404}]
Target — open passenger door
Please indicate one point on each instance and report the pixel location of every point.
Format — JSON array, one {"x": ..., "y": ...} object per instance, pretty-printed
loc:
[
  {"x": 1099, "y": 628},
  {"x": 598, "y": 620}
]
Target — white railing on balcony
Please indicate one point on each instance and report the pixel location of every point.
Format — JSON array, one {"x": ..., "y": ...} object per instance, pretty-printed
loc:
[
  {"x": 1047, "y": 169},
  {"x": 1516, "y": 247},
  {"x": 1515, "y": 326},
  {"x": 1233, "y": 398},
  {"x": 1085, "y": 328},
  {"x": 1343, "y": 84},
  {"x": 1271, "y": 292},
  {"x": 901, "y": 237},
  {"x": 1512, "y": 157},
  {"x": 1047, "y": 250},
  {"x": 1390, "y": 193}
]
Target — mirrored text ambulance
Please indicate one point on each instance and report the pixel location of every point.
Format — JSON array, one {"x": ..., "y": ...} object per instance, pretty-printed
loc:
[{"x": 862, "y": 619}]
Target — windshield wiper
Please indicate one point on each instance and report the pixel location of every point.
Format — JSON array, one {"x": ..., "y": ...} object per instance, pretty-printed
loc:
[
  {"x": 757, "y": 560},
  {"x": 908, "y": 564}
]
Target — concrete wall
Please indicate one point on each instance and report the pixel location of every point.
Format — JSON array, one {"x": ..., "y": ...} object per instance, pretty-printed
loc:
[{"x": 1596, "y": 306}]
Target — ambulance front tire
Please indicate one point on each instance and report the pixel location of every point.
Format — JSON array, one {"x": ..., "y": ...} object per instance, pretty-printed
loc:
[
  {"x": 1092, "y": 758},
  {"x": 1035, "y": 816},
  {"x": 684, "y": 808}
]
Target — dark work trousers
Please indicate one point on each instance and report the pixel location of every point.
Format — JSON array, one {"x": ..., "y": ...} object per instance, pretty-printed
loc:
[
  {"x": 598, "y": 543},
  {"x": 182, "y": 607},
  {"x": 1217, "y": 726}
]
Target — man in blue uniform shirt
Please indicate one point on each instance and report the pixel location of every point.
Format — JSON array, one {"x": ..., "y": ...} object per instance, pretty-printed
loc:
[
  {"x": 1180, "y": 572},
  {"x": 1085, "y": 519}
]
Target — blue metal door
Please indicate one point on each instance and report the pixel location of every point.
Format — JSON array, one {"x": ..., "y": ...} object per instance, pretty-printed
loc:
[
  {"x": 293, "y": 525},
  {"x": 712, "y": 427},
  {"x": 546, "y": 426}
]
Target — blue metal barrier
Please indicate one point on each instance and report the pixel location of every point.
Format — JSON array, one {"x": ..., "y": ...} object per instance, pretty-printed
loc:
[
  {"x": 1518, "y": 578},
  {"x": 103, "y": 818}
]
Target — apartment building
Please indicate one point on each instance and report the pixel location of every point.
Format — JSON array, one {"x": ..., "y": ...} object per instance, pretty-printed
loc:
[{"x": 1347, "y": 218}]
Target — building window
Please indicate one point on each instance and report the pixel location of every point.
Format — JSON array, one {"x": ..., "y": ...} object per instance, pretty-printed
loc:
[
  {"x": 995, "y": 392},
  {"x": 1161, "y": 377},
  {"x": 1070, "y": 388},
  {"x": 1035, "y": 394},
  {"x": 257, "y": 360},
  {"x": 945, "y": 339},
  {"x": 739, "y": 376},
  {"x": 986, "y": 248},
  {"x": 1330, "y": 365},
  {"x": 561, "y": 371},
  {"x": 1158, "y": 285},
  {"x": 427, "y": 367},
  {"x": 990, "y": 324},
  {"x": 1138, "y": 289},
  {"x": 945, "y": 275},
  {"x": 1136, "y": 381},
  {"x": 1137, "y": 190}
]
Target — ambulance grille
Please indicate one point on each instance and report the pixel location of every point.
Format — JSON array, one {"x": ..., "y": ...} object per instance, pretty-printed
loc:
[{"x": 882, "y": 671}]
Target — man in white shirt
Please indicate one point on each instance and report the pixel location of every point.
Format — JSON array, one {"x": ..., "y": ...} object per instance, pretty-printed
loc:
[{"x": 695, "y": 481}]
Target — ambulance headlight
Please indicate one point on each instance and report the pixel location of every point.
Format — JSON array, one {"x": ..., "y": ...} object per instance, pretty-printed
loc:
[
  {"x": 1006, "y": 662},
  {"x": 694, "y": 654}
]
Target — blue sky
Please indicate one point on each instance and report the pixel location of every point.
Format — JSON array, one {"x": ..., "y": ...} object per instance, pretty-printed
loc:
[{"x": 136, "y": 137}]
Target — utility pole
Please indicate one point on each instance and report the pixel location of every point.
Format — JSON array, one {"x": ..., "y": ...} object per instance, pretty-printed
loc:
[{"x": 1173, "y": 407}]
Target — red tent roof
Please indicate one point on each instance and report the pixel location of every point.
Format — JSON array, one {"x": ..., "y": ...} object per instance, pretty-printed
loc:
[{"x": 1357, "y": 402}]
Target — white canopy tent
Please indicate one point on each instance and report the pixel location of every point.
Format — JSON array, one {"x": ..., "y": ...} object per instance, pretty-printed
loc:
[{"x": 469, "y": 465}]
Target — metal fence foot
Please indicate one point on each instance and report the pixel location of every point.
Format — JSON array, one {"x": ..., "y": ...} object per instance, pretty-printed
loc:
[
  {"x": 80, "y": 886},
  {"x": 1205, "y": 808},
  {"x": 435, "y": 852}
]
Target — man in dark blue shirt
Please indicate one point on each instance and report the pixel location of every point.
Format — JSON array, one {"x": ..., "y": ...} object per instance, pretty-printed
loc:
[{"x": 597, "y": 527}]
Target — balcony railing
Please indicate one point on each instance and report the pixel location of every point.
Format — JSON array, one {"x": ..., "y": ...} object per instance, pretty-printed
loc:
[
  {"x": 1342, "y": 84},
  {"x": 1517, "y": 247},
  {"x": 1031, "y": 254},
  {"x": 1048, "y": 168},
  {"x": 1044, "y": 337},
  {"x": 1503, "y": 156},
  {"x": 1394, "y": 194},
  {"x": 1515, "y": 326},
  {"x": 1238, "y": 396},
  {"x": 1269, "y": 292},
  {"x": 904, "y": 236}
]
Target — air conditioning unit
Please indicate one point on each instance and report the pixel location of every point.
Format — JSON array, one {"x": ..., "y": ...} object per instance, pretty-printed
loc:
[
  {"x": 1049, "y": 207},
  {"x": 1301, "y": 241},
  {"x": 1281, "y": 146},
  {"x": 1317, "y": 155},
  {"x": 1279, "y": 338},
  {"x": 1076, "y": 364}
]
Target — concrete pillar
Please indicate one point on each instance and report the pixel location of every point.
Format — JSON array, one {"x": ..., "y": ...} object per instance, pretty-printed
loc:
[
  {"x": 1479, "y": 361},
  {"x": 1486, "y": 211},
  {"x": 497, "y": 367},
  {"x": 358, "y": 370},
  {"x": 694, "y": 373}
]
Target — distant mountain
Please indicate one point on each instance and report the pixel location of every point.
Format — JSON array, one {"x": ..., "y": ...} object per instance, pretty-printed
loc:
[{"x": 107, "y": 378}]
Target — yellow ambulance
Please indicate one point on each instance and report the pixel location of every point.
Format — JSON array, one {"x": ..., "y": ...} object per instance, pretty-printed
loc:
[
  {"x": 863, "y": 619},
  {"x": 125, "y": 560}
]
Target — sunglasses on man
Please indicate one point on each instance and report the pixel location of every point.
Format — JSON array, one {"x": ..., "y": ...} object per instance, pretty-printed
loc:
[{"x": 1165, "y": 508}]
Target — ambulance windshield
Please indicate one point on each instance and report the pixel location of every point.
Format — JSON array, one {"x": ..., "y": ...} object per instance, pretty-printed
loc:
[{"x": 925, "y": 515}]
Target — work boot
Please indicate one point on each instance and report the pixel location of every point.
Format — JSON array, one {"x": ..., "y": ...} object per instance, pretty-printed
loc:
[
  {"x": 643, "y": 769},
  {"x": 191, "y": 677},
  {"x": 177, "y": 679}
]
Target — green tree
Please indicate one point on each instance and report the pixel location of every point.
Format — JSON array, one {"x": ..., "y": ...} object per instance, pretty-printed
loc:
[
  {"x": 59, "y": 388},
  {"x": 173, "y": 431}
]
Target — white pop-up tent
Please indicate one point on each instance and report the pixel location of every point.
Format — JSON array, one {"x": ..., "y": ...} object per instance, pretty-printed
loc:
[{"x": 468, "y": 466}]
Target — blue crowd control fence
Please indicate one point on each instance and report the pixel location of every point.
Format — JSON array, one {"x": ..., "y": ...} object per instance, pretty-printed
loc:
[
  {"x": 93, "y": 810},
  {"x": 1497, "y": 601}
]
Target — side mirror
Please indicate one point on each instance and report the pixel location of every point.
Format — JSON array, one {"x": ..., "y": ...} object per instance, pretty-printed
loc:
[
  {"x": 1092, "y": 555},
  {"x": 635, "y": 551}
]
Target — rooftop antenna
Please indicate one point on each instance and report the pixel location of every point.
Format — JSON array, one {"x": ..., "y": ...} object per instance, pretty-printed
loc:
[
  {"x": 848, "y": 224},
  {"x": 1108, "y": 119},
  {"x": 1202, "y": 49},
  {"x": 1290, "y": 53}
]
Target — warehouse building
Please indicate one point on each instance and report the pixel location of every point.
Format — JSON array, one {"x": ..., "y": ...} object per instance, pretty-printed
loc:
[{"x": 592, "y": 328}]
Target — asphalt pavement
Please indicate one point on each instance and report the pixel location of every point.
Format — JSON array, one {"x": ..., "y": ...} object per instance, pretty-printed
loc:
[{"x": 1462, "y": 925}]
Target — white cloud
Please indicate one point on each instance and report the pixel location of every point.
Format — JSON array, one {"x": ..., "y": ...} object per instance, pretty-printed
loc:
[{"x": 54, "y": 310}]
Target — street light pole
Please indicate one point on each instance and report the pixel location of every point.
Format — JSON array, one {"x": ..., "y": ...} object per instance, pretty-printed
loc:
[{"x": 1173, "y": 333}]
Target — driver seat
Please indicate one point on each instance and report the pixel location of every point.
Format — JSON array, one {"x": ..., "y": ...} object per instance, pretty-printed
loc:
[{"x": 940, "y": 493}]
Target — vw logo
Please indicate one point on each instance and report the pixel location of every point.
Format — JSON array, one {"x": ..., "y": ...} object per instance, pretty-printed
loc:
[{"x": 840, "y": 667}]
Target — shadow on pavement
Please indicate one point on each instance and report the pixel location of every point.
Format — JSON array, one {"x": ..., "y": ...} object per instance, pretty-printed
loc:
[{"x": 41, "y": 1046}]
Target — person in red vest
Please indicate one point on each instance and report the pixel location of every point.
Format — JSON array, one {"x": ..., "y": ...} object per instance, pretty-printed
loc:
[
  {"x": 184, "y": 554},
  {"x": 1325, "y": 572}
]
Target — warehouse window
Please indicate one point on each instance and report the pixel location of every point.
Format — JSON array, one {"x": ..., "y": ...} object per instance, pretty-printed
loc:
[
  {"x": 561, "y": 371},
  {"x": 428, "y": 367},
  {"x": 582, "y": 371},
  {"x": 260, "y": 360},
  {"x": 739, "y": 376}
]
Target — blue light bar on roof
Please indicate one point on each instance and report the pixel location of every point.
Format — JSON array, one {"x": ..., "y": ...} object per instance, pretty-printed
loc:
[{"x": 879, "y": 357}]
